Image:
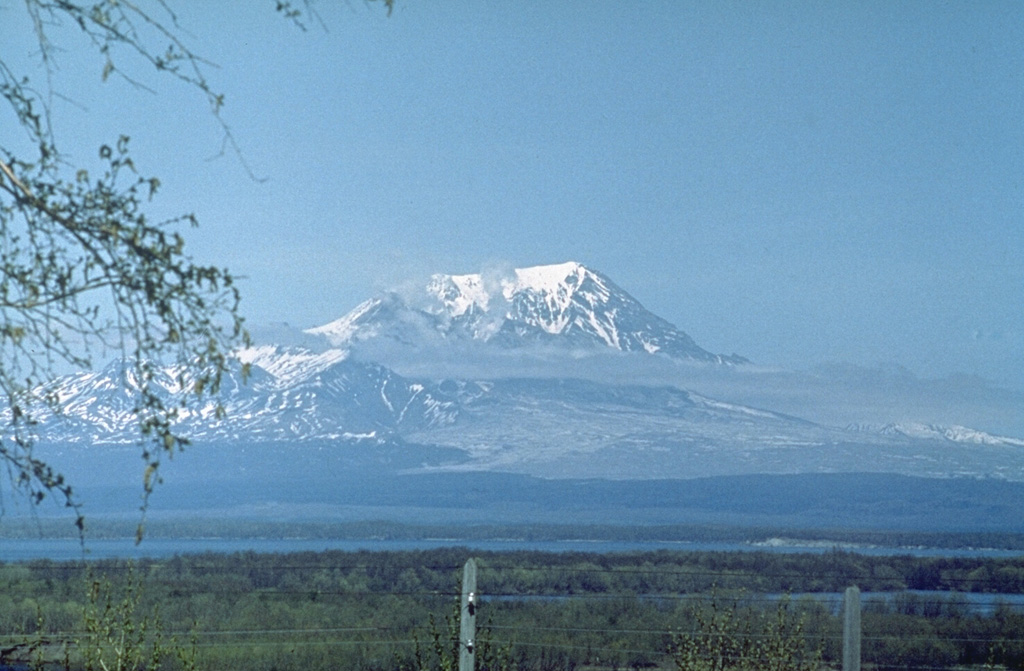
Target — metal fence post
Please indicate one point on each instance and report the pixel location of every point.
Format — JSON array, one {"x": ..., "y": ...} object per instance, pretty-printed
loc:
[
  {"x": 851, "y": 629},
  {"x": 467, "y": 617}
]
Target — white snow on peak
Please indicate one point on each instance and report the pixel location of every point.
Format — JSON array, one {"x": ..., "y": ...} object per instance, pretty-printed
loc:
[
  {"x": 546, "y": 279},
  {"x": 555, "y": 286},
  {"x": 552, "y": 286},
  {"x": 288, "y": 364},
  {"x": 460, "y": 293},
  {"x": 557, "y": 299},
  {"x": 342, "y": 329}
]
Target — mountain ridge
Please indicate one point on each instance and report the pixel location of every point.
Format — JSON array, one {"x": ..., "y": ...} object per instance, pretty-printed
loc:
[
  {"x": 544, "y": 427},
  {"x": 556, "y": 425},
  {"x": 566, "y": 304}
]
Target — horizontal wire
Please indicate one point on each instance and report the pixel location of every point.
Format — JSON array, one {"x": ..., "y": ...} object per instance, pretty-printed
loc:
[
  {"x": 304, "y": 644},
  {"x": 649, "y": 632},
  {"x": 275, "y": 644},
  {"x": 153, "y": 570},
  {"x": 729, "y": 657},
  {"x": 698, "y": 632},
  {"x": 571, "y": 646},
  {"x": 164, "y": 564},
  {"x": 72, "y": 635},
  {"x": 921, "y": 599}
]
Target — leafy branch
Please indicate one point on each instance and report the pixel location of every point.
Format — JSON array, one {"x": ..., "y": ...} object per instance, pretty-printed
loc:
[{"x": 85, "y": 272}]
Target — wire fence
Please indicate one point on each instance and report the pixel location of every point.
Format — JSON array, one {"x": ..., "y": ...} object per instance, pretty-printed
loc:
[{"x": 565, "y": 616}]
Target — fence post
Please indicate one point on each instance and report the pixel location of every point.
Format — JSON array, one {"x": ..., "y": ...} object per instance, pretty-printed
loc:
[
  {"x": 467, "y": 617},
  {"x": 851, "y": 629}
]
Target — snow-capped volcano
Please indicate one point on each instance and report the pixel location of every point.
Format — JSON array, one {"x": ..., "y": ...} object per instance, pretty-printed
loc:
[
  {"x": 563, "y": 304},
  {"x": 555, "y": 415}
]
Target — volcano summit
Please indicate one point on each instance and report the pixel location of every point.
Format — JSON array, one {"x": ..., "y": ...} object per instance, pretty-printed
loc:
[{"x": 566, "y": 305}]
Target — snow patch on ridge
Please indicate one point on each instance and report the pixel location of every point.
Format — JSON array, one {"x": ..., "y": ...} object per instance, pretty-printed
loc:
[
  {"x": 548, "y": 278},
  {"x": 460, "y": 294},
  {"x": 288, "y": 364},
  {"x": 954, "y": 433},
  {"x": 343, "y": 329},
  {"x": 706, "y": 402}
]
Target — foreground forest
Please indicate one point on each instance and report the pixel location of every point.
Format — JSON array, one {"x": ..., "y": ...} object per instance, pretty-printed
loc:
[{"x": 398, "y": 610}]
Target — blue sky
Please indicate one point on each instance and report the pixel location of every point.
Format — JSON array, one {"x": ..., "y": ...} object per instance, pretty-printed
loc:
[{"x": 794, "y": 182}]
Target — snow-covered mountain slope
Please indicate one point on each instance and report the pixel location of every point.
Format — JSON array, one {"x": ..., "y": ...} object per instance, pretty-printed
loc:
[
  {"x": 551, "y": 423},
  {"x": 548, "y": 427},
  {"x": 289, "y": 365},
  {"x": 290, "y": 394},
  {"x": 578, "y": 429},
  {"x": 953, "y": 433},
  {"x": 565, "y": 304}
]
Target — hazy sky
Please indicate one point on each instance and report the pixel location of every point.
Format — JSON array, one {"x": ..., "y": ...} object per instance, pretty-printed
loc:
[{"x": 795, "y": 182}]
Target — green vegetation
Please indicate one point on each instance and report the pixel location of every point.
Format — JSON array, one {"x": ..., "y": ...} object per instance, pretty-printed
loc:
[
  {"x": 735, "y": 639},
  {"x": 98, "y": 527},
  {"x": 396, "y": 610}
]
